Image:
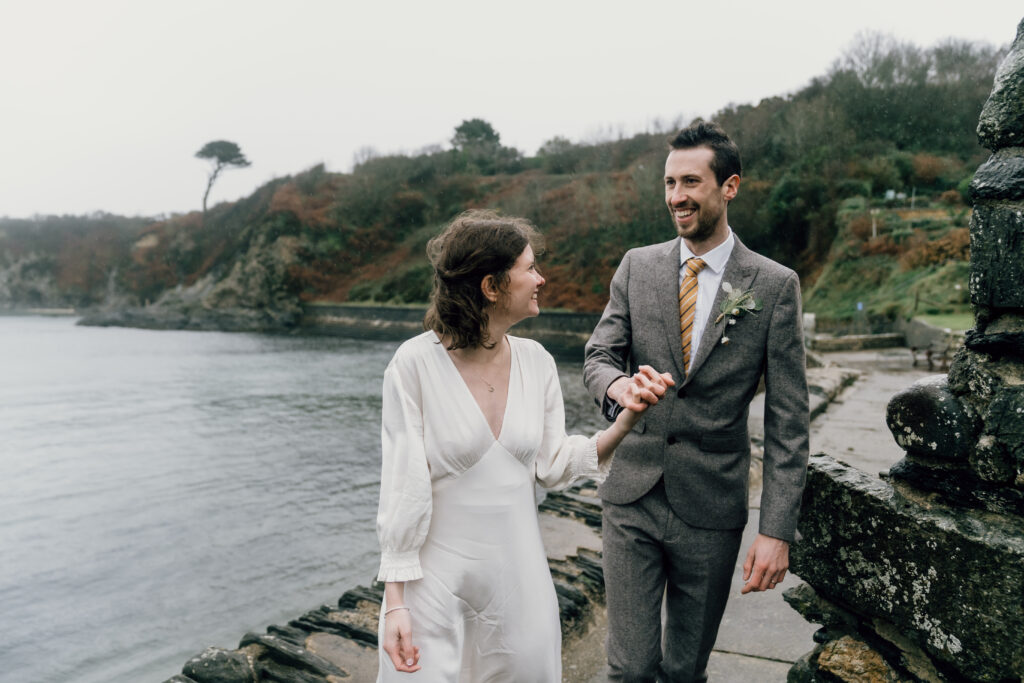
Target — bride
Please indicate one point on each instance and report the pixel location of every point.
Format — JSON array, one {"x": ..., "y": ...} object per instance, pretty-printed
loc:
[{"x": 472, "y": 419}]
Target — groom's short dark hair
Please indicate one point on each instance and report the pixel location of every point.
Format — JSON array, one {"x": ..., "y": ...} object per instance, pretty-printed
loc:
[{"x": 726, "y": 161}]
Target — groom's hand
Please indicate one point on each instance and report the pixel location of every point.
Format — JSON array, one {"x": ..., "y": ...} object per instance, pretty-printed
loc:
[
  {"x": 642, "y": 390},
  {"x": 766, "y": 564}
]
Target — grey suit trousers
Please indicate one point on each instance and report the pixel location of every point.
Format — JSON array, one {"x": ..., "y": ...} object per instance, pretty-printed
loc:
[{"x": 649, "y": 552}]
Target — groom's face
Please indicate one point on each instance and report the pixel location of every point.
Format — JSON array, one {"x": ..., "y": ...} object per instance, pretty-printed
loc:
[{"x": 694, "y": 198}]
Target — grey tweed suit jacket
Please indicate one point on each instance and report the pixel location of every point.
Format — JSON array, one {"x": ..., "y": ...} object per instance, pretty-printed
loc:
[{"x": 696, "y": 437}]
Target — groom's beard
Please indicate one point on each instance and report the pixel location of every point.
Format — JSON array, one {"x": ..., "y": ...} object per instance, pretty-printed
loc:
[{"x": 707, "y": 222}]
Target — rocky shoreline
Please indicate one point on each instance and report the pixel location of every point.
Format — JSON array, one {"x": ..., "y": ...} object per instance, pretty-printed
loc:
[
  {"x": 198, "y": 318},
  {"x": 562, "y": 332},
  {"x": 335, "y": 643},
  {"x": 44, "y": 312}
]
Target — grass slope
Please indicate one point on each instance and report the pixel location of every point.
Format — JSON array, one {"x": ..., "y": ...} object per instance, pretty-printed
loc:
[{"x": 909, "y": 263}]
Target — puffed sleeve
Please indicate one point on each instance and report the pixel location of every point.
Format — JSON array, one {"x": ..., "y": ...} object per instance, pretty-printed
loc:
[
  {"x": 563, "y": 459},
  {"x": 403, "y": 515}
]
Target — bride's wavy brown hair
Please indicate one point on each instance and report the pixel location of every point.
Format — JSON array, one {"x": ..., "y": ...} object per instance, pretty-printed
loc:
[{"x": 476, "y": 244}]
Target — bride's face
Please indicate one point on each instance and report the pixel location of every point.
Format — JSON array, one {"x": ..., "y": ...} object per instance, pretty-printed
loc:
[{"x": 524, "y": 282}]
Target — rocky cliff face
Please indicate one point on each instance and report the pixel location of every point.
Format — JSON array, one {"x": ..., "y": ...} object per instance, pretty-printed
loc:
[
  {"x": 28, "y": 282},
  {"x": 252, "y": 295}
]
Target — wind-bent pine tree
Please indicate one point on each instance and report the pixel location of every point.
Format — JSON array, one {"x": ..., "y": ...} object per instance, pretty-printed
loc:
[{"x": 222, "y": 154}]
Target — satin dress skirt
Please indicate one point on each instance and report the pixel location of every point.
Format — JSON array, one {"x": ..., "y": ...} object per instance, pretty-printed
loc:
[{"x": 485, "y": 610}]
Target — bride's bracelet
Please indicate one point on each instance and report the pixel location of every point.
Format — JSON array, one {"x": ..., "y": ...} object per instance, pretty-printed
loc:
[{"x": 395, "y": 609}]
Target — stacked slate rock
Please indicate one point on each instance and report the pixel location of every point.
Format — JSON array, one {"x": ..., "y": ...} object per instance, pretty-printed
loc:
[{"x": 920, "y": 576}]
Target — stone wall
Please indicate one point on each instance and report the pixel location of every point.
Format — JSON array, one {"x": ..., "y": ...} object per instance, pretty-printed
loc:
[
  {"x": 864, "y": 324},
  {"x": 920, "y": 576},
  {"x": 857, "y": 342},
  {"x": 921, "y": 335},
  {"x": 915, "y": 334},
  {"x": 563, "y": 333}
]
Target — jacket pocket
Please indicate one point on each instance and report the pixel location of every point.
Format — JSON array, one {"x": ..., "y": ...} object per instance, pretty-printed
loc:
[{"x": 723, "y": 442}]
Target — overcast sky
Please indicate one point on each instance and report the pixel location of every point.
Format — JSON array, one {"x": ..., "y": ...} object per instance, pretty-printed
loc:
[{"x": 103, "y": 103}]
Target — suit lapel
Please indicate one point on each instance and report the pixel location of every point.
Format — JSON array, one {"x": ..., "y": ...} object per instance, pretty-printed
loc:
[
  {"x": 740, "y": 270},
  {"x": 667, "y": 282}
]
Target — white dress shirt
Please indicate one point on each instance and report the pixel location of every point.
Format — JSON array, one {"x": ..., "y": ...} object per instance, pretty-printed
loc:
[{"x": 708, "y": 282}]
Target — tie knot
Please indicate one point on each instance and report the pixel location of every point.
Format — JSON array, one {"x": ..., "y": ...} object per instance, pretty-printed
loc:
[{"x": 694, "y": 266}]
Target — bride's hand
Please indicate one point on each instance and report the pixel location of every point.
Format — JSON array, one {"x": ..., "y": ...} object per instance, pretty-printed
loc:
[
  {"x": 645, "y": 388},
  {"x": 641, "y": 390},
  {"x": 398, "y": 641},
  {"x": 628, "y": 417}
]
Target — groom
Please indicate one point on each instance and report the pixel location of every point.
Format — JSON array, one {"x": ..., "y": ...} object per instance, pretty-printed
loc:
[{"x": 675, "y": 501}]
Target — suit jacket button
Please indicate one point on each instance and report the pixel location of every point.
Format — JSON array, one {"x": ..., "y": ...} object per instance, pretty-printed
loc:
[
  {"x": 671, "y": 440},
  {"x": 681, "y": 393}
]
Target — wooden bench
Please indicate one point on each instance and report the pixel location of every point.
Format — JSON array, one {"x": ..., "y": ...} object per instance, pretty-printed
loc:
[{"x": 938, "y": 354}]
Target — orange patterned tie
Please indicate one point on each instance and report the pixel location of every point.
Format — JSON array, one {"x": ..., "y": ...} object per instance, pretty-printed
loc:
[{"x": 688, "y": 304}]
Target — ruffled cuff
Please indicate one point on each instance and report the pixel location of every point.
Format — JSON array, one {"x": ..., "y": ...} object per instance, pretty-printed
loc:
[
  {"x": 602, "y": 470},
  {"x": 595, "y": 471},
  {"x": 587, "y": 467},
  {"x": 400, "y": 566}
]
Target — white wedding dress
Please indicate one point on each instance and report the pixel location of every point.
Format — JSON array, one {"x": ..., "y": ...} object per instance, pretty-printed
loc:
[{"x": 458, "y": 519}]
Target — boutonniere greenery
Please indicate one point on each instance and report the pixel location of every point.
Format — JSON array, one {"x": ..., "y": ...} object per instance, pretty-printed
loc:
[{"x": 737, "y": 303}]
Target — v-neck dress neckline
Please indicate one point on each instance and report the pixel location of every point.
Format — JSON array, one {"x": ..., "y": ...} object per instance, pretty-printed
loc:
[{"x": 513, "y": 361}]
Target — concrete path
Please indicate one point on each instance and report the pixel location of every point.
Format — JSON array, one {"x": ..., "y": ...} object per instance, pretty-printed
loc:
[
  {"x": 761, "y": 636},
  {"x": 853, "y": 429}
]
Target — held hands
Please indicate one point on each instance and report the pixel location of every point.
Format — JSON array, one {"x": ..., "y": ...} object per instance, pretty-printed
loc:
[
  {"x": 642, "y": 390},
  {"x": 398, "y": 641},
  {"x": 766, "y": 564},
  {"x": 638, "y": 393}
]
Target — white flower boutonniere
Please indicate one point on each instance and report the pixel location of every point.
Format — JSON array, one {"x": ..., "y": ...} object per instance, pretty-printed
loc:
[{"x": 736, "y": 304}]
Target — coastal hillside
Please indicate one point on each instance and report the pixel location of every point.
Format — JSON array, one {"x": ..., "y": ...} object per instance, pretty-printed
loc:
[
  {"x": 857, "y": 181},
  {"x": 896, "y": 262}
]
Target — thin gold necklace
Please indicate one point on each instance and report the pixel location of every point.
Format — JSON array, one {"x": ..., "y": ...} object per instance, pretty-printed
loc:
[{"x": 490, "y": 387}]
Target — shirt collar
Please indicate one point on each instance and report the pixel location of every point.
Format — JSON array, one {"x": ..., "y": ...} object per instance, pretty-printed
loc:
[{"x": 715, "y": 259}]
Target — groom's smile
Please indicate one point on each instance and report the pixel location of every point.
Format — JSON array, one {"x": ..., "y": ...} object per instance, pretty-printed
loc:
[{"x": 683, "y": 214}]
